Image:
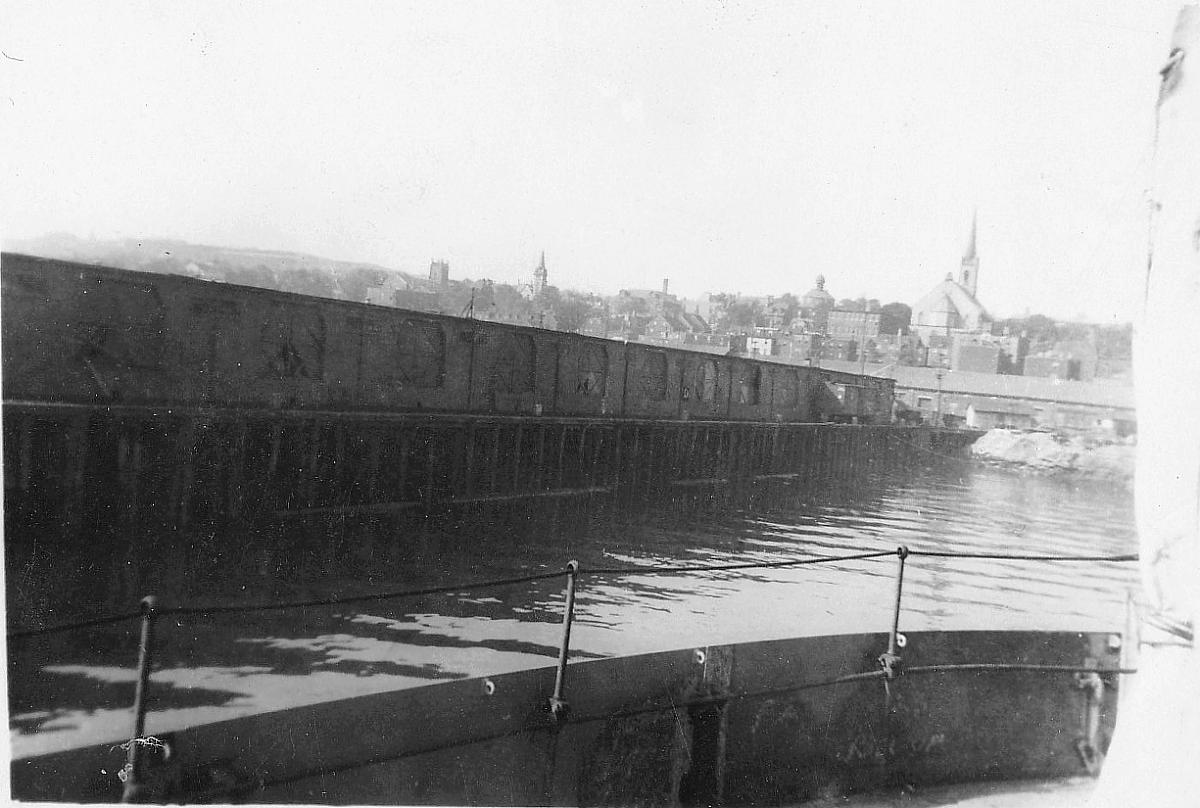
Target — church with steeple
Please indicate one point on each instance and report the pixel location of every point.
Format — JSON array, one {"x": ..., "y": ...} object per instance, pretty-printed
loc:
[
  {"x": 951, "y": 307},
  {"x": 540, "y": 276}
]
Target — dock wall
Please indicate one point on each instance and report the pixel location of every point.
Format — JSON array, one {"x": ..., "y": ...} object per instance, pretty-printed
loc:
[
  {"x": 157, "y": 422},
  {"x": 83, "y": 334},
  {"x": 112, "y": 486},
  {"x": 69, "y": 466}
]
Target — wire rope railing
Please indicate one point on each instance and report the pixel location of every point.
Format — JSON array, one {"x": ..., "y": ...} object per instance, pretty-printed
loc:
[
  {"x": 558, "y": 705},
  {"x": 666, "y": 569}
]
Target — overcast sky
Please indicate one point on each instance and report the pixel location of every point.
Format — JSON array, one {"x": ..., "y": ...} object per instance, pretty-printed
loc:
[{"x": 726, "y": 146}]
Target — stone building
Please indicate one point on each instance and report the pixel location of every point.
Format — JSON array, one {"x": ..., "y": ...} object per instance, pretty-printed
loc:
[
  {"x": 1000, "y": 413},
  {"x": 815, "y": 307},
  {"x": 852, "y": 324},
  {"x": 898, "y": 349},
  {"x": 987, "y": 353},
  {"x": 988, "y": 399},
  {"x": 658, "y": 315},
  {"x": 1073, "y": 361},
  {"x": 951, "y": 307}
]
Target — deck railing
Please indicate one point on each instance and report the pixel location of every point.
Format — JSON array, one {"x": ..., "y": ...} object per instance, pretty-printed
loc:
[{"x": 890, "y": 660}]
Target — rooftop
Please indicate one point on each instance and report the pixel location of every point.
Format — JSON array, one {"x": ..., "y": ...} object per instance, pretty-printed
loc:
[{"x": 1099, "y": 394}]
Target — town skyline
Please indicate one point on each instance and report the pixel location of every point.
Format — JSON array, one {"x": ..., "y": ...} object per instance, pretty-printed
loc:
[
  {"x": 757, "y": 141},
  {"x": 523, "y": 274},
  {"x": 147, "y": 253}
]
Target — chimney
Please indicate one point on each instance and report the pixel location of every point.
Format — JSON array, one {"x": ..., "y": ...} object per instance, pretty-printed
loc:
[{"x": 665, "y": 280}]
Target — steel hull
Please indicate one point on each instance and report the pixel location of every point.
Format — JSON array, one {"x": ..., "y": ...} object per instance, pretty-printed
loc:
[{"x": 762, "y": 723}]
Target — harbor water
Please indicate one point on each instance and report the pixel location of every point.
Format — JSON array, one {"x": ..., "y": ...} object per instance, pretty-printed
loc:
[{"x": 75, "y": 689}]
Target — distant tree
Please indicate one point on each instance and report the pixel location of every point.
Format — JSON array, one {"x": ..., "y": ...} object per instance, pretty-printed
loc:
[
  {"x": 572, "y": 310},
  {"x": 874, "y": 354},
  {"x": 484, "y": 297},
  {"x": 744, "y": 313},
  {"x": 791, "y": 305},
  {"x": 355, "y": 283},
  {"x": 1008, "y": 365},
  {"x": 894, "y": 317},
  {"x": 630, "y": 315},
  {"x": 718, "y": 310},
  {"x": 911, "y": 354},
  {"x": 457, "y": 299},
  {"x": 305, "y": 281},
  {"x": 1113, "y": 342},
  {"x": 510, "y": 306},
  {"x": 630, "y": 306},
  {"x": 1041, "y": 330}
]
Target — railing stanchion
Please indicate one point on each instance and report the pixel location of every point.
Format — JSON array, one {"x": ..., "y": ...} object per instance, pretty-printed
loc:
[
  {"x": 890, "y": 660},
  {"x": 558, "y": 704},
  {"x": 132, "y": 771},
  {"x": 902, "y": 554}
]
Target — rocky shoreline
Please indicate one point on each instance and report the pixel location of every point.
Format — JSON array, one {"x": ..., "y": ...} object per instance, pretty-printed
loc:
[{"x": 1053, "y": 453}]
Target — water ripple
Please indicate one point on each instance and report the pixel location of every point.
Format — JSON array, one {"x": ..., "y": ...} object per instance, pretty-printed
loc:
[{"x": 63, "y": 694}]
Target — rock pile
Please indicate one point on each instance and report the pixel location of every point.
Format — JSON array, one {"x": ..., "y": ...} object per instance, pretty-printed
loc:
[{"x": 1047, "y": 452}]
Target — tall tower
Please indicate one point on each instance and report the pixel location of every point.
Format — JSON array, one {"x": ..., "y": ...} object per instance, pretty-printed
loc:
[
  {"x": 439, "y": 273},
  {"x": 969, "y": 276},
  {"x": 539, "y": 276}
]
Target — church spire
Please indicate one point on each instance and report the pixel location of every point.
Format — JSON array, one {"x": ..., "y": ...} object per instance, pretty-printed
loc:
[
  {"x": 969, "y": 275},
  {"x": 970, "y": 255},
  {"x": 540, "y": 276}
]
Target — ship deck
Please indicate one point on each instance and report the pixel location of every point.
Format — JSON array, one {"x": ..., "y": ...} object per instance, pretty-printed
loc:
[{"x": 1071, "y": 792}]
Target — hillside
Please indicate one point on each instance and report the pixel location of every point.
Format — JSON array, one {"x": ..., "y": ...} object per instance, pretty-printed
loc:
[{"x": 268, "y": 269}]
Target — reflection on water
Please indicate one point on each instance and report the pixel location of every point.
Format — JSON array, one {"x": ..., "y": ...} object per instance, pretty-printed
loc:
[{"x": 76, "y": 689}]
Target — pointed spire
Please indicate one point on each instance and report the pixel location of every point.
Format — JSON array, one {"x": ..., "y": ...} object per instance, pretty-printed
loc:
[
  {"x": 970, "y": 253},
  {"x": 540, "y": 276},
  {"x": 969, "y": 276}
]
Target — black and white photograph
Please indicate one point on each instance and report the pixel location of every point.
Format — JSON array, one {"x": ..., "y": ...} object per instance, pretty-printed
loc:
[{"x": 661, "y": 403}]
